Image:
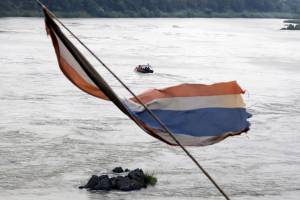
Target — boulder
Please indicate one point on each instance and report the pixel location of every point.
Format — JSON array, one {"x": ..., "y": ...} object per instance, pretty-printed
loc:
[
  {"x": 118, "y": 170},
  {"x": 290, "y": 27},
  {"x": 123, "y": 183},
  {"x": 128, "y": 184},
  {"x": 91, "y": 183},
  {"x": 135, "y": 185},
  {"x": 103, "y": 183},
  {"x": 137, "y": 175},
  {"x": 113, "y": 182}
]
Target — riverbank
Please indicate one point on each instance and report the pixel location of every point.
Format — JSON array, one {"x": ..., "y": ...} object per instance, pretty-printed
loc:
[
  {"x": 150, "y": 14},
  {"x": 155, "y": 8}
]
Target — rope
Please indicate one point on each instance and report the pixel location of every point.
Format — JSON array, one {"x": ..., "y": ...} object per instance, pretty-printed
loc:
[{"x": 145, "y": 107}]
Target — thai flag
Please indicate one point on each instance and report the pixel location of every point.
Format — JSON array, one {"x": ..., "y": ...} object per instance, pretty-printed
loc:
[{"x": 196, "y": 114}]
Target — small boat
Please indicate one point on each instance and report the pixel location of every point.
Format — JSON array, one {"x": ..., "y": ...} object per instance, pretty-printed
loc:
[{"x": 144, "y": 69}]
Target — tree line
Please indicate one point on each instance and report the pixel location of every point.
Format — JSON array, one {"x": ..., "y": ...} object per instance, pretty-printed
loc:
[{"x": 155, "y": 8}]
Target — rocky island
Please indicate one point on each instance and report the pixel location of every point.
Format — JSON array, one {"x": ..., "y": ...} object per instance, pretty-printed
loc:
[
  {"x": 293, "y": 24},
  {"x": 123, "y": 180}
]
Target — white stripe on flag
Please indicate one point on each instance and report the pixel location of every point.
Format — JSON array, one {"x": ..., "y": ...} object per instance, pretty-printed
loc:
[
  {"x": 191, "y": 103},
  {"x": 68, "y": 57}
]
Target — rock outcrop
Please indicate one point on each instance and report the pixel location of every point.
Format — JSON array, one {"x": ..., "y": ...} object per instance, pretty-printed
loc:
[{"x": 131, "y": 180}]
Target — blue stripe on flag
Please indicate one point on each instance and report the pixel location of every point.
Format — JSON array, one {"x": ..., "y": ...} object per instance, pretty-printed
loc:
[{"x": 199, "y": 122}]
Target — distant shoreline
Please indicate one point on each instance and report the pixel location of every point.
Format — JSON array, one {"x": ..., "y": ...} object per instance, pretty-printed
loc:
[
  {"x": 162, "y": 15},
  {"x": 288, "y": 9}
]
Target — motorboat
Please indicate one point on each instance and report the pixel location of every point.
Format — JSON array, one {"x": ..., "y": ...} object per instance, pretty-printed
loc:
[{"x": 144, "y": 69}]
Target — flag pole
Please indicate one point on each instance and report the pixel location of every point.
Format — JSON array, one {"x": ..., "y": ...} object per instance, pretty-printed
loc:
[{"x": 138, "y": 99}]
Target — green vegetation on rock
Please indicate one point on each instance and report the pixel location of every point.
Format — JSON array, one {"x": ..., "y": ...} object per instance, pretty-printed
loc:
[
  {"x": 155, "y": 8},
  {"x": 150, "y": 179}
]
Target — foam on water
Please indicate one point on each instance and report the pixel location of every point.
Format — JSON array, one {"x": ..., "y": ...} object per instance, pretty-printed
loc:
[{"x": 53, "y": 136}]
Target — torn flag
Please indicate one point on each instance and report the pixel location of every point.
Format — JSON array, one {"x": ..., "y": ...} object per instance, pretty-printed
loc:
[{"x": 196, "y": 114}]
